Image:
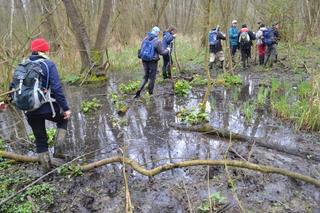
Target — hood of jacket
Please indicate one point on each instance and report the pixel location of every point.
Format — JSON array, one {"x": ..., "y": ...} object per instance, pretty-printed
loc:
[
  {"x": 166, "y": 33},
  {"x": 151, "y": 35}
]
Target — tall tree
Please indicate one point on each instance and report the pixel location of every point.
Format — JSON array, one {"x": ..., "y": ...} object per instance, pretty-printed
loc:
[{"x": 79, "y": 32}]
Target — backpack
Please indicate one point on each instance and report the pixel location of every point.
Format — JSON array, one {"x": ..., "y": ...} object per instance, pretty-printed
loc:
[
  {"x": 147, "y": 50},
  {"x": 213, "y": 37},
  {"x": 268, "y": 37},
  {"x": 28, "y": 81},
  {"x": 244, "y": 39}
]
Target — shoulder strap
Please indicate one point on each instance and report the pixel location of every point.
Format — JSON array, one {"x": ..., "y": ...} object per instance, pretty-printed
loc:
[
  {"x": 48, "y": 72},
  {"x": 41, "y": 60}
]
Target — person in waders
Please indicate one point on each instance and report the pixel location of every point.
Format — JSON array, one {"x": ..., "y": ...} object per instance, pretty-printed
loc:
[{"x": 56, "y": 109}]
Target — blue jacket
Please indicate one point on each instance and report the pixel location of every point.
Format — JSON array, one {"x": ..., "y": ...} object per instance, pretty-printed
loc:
[
  {"x": 167, "y": 39},
  {"x": 55, "y": 85},
  {"x": 157, "y": 44},
  {"x": 233, "y": 36}
]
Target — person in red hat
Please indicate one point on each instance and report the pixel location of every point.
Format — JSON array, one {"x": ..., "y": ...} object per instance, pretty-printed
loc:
[{"x": 57, "y": 111}]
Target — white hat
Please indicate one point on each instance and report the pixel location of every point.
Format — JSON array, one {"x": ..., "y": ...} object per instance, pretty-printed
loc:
[{"x": 234, "y": 22}]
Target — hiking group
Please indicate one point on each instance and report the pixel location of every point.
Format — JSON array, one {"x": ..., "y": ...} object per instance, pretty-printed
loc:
[
  {"x": 242, "y": 40},
  {"x": 36, "y": 88}
]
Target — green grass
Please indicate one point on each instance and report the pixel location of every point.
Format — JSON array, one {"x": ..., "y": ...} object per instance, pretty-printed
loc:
[
  {"x": 261, "y": 97},
  {"x": 125, "y": 59},
  {"x": 301, "y": 107},
  {"x": 248, "y": 109}
]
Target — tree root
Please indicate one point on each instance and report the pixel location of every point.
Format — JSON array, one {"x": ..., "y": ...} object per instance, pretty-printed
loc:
[
  {"x": 307, "y": 152},
  {"x": 155, "y": 171}
]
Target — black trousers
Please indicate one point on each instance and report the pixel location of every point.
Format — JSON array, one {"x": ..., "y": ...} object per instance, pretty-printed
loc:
[
  {"x": 38, "y": 126},
  {"x": 166, "y": 68},
  {"x": 245, "y": 55},
  {"x": 150, "y": 72},
  {"x": 233, "y": 49}
]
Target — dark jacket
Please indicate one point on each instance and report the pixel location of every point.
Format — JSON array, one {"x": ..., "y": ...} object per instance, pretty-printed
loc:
[
  {"x": 54, "y": 84},
  {"x": 218, "y": 46},
  {"x": 167, "y": 39},
  {"x": 276, "y": 35},
  {"x": 157, "y": 44},
  {"x": 250, "y": 33}
]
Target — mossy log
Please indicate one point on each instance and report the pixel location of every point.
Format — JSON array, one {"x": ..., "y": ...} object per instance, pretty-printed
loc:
[
  {"x": 301, "y": 150},
  {"x": 155, "y": 171}
]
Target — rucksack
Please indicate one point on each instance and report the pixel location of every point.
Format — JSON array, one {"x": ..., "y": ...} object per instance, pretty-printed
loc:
[
  {"x": 244, "y": 39},
  {"x": 147, "y": 50},
  {"x": 268, "y": 37},
  {"x": 213, "y": 37},
  {"x": 28, "y": 80}
]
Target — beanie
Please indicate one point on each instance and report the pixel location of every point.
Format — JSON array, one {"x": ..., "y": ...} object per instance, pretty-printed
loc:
[{"x": 40, "y": 45}]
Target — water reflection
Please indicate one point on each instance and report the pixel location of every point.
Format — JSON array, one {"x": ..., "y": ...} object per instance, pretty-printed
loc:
[{"x": 148, "y": 138}]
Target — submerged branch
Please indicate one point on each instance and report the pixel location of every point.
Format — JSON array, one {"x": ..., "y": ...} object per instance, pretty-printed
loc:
[
  {"x": 304, "y": 151},
  {"x": 155, "y": 171}
]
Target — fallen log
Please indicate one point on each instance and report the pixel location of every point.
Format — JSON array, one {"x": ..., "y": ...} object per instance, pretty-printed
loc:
[
  {"x": 155, "y": 171},
  {"x": 310, "y": 153}
]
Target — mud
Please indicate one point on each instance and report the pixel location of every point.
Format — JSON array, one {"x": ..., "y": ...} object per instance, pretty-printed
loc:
[{"x": 148, "y": 139}]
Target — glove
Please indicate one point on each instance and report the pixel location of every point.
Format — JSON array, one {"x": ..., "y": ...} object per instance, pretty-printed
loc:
[{"x": 168, "y": 48}]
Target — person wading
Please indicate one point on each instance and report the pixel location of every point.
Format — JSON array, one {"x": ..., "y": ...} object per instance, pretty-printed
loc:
[
  {"x": 167, "y": 41},
  {"x": 246, "y": 37},
  {"x": 50, "y": 105},
  {"x": 233, "y": 38},
  {"x": 260, "y": 45},
  {"x": 151, "y": 48},
  {"x": 215, "y": 46}
]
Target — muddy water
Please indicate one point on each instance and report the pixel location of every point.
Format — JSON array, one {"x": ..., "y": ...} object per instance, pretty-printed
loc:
[{"x": 147, "y": 138}]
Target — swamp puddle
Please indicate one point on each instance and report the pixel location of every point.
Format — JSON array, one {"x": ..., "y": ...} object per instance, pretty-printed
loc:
[{"x": 147, "y": 138}]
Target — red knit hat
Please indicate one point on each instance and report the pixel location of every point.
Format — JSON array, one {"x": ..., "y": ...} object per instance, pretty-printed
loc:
[{"x": 40, "y": 45}]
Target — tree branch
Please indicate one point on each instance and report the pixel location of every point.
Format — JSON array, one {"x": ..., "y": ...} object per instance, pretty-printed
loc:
[{"x": 155, "y": 171}]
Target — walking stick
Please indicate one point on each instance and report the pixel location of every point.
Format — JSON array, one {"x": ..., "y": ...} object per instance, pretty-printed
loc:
[{"x": 175, "y": 55}]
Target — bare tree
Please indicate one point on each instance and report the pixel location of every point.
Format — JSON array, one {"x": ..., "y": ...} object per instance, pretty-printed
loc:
[{"x": 80, "y": 33}]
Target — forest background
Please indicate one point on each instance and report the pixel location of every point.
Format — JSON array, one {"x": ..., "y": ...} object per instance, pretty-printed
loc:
[{"x": 91, "y": 35}]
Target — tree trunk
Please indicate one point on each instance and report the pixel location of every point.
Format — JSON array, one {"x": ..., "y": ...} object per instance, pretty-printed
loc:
[
  {"x": 50, "y": 25},
  {"x": 303, "y": 151},
  {"x": 100, "y": 43},
  {"x": 80, "y": 33}
]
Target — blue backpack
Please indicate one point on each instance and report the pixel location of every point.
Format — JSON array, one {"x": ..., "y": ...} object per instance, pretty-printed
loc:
[
  {"x": 213, "y": 37},
  {"x": 147, "y": 51},
  {"x": 27, "y": 81},
  {"x": 268, "y": 37}
]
